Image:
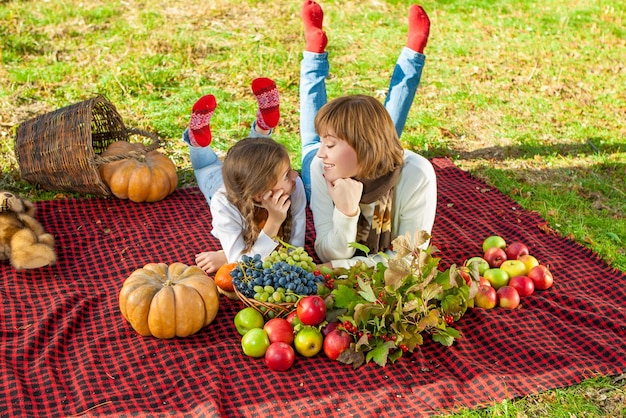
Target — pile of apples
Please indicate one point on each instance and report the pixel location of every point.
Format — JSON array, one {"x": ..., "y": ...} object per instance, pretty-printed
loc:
[
  {"x": 508, "y": 272},
  {"x": 304, "y": 331}
]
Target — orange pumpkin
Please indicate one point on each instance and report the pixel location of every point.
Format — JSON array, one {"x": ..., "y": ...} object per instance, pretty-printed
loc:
[
  {"x": 146, "y": 177},
  {"x": 169, "y": 301},
  {"x": 223, "y": 280}
]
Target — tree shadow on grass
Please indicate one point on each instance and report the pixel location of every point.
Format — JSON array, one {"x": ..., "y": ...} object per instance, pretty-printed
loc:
[{"x": 528, "y": 151}]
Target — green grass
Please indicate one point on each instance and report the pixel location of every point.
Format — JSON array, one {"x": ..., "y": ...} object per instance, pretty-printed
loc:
[{"x": 527, "y": 96}]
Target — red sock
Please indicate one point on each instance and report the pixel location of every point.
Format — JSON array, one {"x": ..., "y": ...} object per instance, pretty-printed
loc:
[
  {"x": 267, "y": 96},
  {"x": 419, "y": 28},
  {"x": 313, "y": 17},
  {"x": 199, "y": 129}
]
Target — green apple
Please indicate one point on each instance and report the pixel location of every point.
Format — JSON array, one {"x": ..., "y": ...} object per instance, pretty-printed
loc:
[
  {"x": 514, "y": 268},
  {"x": 493, "y": 241},
  {"x": 255, "y": 342},
  {"x": 247, "y": 319},
  {"x": 482, "y": 264},
  {"x": 308, "y": 341},
  {"x": 497, "y": 277}
]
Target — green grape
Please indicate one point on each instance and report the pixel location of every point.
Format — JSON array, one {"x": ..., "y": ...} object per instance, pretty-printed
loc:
[
  {"x": 278, "y": 297},
  {"x": 269, "y": 289},
  {"x": 258, "y": 289}
]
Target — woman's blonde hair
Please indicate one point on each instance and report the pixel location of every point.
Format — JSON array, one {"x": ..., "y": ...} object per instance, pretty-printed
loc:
[
  {"x": 364, "y": 123},
  {"x": 252, "y": 167}
]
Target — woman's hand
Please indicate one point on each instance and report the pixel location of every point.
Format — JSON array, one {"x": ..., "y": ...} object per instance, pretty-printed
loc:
[
  {"x": 346, "y": 194},
  {"x": 210, "y": 261}
]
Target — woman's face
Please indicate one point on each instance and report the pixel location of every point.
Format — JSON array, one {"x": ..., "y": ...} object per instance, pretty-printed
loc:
[{"x": 339, "y": 158}]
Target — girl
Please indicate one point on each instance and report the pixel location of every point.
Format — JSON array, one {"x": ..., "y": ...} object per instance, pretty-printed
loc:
[
  {"x": 254, "y": 195},
  {"x": 363, "y": 187}
]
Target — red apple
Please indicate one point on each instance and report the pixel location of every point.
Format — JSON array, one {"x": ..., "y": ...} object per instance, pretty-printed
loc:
[
  {"x": 311, "y": 310},
  {"x": 465, "y": 275},
  {"x": 541, "y": 276},
  {"x": 279, "y": 330},
  {"x": 336, "y": 342},
  {"x": 486, "y": 297},
  {"x": 523, "y": 284},
  {"x": 483, "y": 281},
  {"x": 516, "y": 249},
  {"x": 328, "y": 328},
  {"x": 279, "y": 356},
  {"x": 495, "y": 256},
  {"x": 291, "y": 316},
  {"x": 508, "y": 297}
]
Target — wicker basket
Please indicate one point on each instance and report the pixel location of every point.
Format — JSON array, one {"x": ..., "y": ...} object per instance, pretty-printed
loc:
[
  {"x": 61, "y": 150},
  {"x": 268, "y": 310}
]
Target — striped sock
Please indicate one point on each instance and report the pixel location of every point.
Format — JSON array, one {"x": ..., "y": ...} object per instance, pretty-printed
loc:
[
  {"x": 199, "y": 129},
  {"x": 268, "y": 99}
]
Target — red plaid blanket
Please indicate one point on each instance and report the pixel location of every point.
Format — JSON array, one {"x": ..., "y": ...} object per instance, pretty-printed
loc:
[{"x": 66, "y": 349}]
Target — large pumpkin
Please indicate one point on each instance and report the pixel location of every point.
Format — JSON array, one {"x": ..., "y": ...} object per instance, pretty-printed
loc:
[
  {"x": 169, "y": 301},
  {"x": 145, "y": 177}
]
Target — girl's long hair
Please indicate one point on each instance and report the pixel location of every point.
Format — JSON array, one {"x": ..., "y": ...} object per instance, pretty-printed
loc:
[{"x": 252, "y": 167}]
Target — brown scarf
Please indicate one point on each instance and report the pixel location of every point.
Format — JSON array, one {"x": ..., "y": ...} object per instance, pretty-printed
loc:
[{"x": 377, "y": 235}]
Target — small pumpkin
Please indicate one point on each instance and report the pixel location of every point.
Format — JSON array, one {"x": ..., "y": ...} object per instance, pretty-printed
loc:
[
  {"x": 147, "y": 177},
  {"x": 224, "y": 281},
  {"x": 169, "y": 301}
]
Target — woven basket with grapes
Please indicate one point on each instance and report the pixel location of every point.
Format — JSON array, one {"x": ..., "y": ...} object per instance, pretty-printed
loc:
[{"x": 274, "y": 285}]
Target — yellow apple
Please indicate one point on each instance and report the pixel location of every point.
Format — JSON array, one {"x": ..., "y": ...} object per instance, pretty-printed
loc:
[
  {"x": 514, "y": 268},
  {"x": 529, "y": 261}
]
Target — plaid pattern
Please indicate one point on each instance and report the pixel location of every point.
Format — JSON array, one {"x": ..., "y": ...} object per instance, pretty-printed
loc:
[{"x": 67, "y": 350}]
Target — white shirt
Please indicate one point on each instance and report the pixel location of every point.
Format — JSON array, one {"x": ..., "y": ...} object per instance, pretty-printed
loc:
[
  {"x": 414, "y": 208},
  {"x": 228, "y": 225}
]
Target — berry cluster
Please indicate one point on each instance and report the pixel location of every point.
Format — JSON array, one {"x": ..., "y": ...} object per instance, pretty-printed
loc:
[
  {"x": 294, "y": 256},
  {"x": 328, "y": 279},
  {"x": 250, "y": 272}
]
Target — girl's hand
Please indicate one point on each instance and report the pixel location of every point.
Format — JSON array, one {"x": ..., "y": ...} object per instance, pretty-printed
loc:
[
  {"x": 277, "y": 203},
  {"x": 346, "y": 194},
  {"x": 210, "y": 261}
]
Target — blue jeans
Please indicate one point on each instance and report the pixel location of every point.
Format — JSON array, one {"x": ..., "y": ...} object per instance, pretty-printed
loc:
[
  {"x": 314, "y": 69},
  {"x": 207, "y": 167}
]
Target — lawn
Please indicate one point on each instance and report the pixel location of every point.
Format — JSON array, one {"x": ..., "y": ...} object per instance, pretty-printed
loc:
[{"x": 527, "y": 96}]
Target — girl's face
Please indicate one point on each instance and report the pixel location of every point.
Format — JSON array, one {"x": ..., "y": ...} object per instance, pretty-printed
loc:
[
  {"x": 286, "y": 179},
  {"x": 339, "y": 158}
]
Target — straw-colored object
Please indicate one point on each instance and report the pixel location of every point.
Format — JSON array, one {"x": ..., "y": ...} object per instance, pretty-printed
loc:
[
  {"x": 278, "y": 310},
  {"x": 61, "y": 150}
]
